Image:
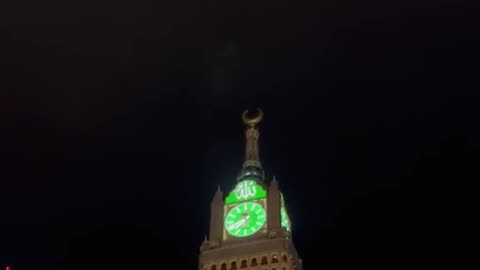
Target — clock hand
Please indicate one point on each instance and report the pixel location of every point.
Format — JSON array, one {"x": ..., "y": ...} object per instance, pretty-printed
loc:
[
  {"x": 235, "y": 225},
  {"x": 238, "y": 224},
  {"x": 243, "y": 221}
]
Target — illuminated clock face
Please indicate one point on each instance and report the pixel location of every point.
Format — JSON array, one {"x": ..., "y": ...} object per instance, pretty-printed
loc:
[
  {"x": 284, "y": 218},
  {"x": 245, "y": 219}
]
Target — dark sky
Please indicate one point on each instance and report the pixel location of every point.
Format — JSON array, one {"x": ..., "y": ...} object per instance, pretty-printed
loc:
[{"x": 120, "y": 118}]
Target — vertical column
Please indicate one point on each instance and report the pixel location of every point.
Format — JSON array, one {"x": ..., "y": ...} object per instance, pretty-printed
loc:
[
  {"x": 252, "y": 156},
  {"x": 216, "y": 217},
  {"x": 273, "y": 215}
]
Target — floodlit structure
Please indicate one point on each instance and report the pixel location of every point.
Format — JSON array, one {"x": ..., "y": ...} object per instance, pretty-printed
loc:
[{"x": 250, "y": 227}]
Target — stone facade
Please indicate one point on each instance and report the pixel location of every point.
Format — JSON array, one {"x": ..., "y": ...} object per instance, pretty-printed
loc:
[{"x": 264, "y": 254}]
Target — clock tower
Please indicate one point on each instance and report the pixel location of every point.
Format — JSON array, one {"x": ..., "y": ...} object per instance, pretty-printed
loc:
[{"x": 249, "y": 227}]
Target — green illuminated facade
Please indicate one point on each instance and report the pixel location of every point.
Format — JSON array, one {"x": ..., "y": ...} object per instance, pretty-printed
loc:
[
  {"x": 246, "y": 190},
  {"x": 285, "y": 220},
  {"x": 251, "y": 221}
]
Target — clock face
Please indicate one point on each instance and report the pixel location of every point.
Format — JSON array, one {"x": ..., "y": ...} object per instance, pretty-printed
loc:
[
  {"x": 284, "y": 218},
  {"x": 245, "y": 219}
]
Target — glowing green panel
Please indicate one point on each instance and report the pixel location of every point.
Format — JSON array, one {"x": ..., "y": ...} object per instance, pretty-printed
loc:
[
  {"x": 284, "y": 216},
  {"x": 285, "y": 219},
  {"x": 244, "y": 191},
  {"x": 245, "y": 219}
]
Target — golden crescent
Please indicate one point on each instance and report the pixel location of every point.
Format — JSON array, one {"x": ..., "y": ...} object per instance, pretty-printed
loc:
[{"x": 252, "y": 121}]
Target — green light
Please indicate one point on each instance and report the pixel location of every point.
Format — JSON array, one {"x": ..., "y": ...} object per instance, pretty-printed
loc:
[
  {"x": 285, "y": 220},
  {"x": 244, "y": 191},
  {"x": 251, "y": 219}
]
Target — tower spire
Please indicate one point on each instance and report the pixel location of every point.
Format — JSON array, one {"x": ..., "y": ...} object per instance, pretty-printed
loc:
[{"x": 252, "y": 166}]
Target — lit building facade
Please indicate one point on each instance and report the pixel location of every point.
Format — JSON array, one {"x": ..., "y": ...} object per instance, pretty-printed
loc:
[{"x": 250, "y": 228}]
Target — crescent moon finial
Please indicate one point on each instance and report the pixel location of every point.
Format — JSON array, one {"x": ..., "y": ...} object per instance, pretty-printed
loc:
[{"x": 252, "y": 121}]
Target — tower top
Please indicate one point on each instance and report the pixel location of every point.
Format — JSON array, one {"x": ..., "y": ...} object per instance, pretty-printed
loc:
[
  {"x": 252, "y": 167},
  {"x": 251, "y": 122}
]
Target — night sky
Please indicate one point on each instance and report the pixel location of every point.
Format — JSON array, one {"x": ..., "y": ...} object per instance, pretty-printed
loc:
[{"x": 119, "y": 119}]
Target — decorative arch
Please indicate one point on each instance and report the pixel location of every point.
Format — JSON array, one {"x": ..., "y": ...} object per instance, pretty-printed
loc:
[
  {"x": 233, "y": 265},
  {"x": 224, "y": 266},
  {"x": 243, "y": 264},
  {"x": 284, "y": 257},
  {"x": 264, "y": 260},
  {"x": 274, "y": 258},
  {"x": 254, "y": 262},
  {"x": 213, "y": 267}
]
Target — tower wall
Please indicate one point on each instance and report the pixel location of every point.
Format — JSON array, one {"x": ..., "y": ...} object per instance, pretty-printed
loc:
[
  {"x": 273, "y": 214},
  {"x": 267, "y": 254},
  {"x": 216, "y": 218}
]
